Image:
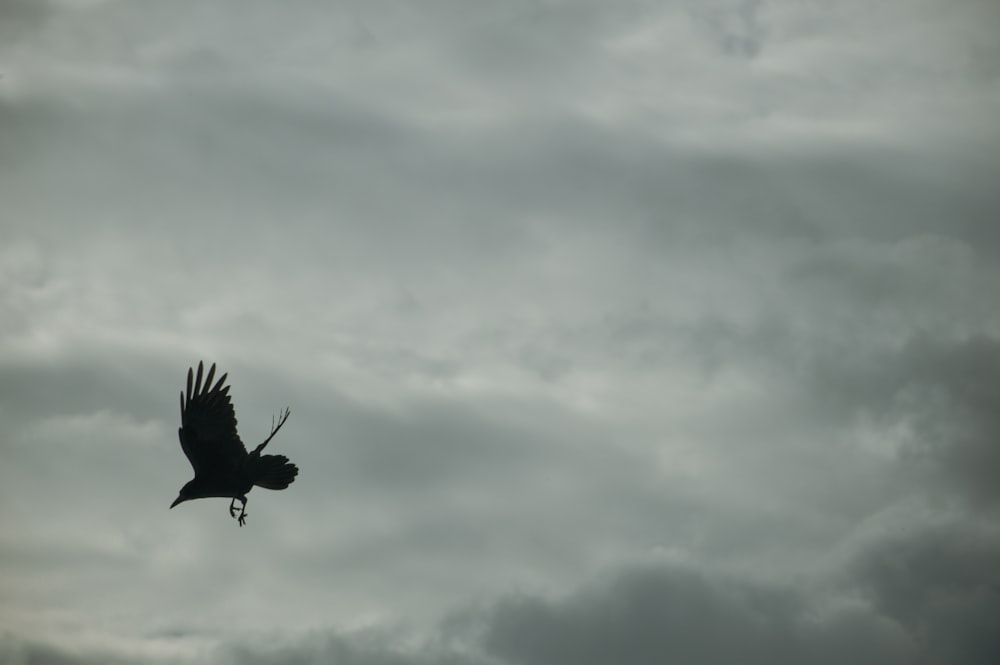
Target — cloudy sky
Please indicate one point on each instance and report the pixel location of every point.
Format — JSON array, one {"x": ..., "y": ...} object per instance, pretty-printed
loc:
[{"x": 613, "y": 331}]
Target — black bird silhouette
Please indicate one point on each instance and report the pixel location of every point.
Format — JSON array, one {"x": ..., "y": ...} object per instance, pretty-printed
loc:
[{"x": 222, "y": 466}]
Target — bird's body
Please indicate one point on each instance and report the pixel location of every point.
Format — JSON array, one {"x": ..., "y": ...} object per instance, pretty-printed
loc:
[{"x": 222, "y": 465}]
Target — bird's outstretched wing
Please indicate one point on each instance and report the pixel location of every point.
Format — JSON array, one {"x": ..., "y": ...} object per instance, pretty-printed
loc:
[{"x": 208, "y": 423}]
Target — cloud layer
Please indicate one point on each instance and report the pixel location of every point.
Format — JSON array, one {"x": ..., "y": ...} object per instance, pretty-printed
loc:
[{"x": 611, "y": 331}]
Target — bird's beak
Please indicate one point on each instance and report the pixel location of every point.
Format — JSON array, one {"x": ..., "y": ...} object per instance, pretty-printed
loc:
[{"x": 176, "y": 501}]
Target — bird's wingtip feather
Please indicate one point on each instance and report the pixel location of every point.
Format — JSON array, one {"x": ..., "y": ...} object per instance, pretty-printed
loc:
[{"x": 211, "y": 375}]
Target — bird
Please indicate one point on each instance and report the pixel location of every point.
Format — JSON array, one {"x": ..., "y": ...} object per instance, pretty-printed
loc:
[{"x": 222, "y": 466}]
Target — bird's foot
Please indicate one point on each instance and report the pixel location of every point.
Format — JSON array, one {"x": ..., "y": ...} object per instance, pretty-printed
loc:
[{"x": 242, "y": 519}]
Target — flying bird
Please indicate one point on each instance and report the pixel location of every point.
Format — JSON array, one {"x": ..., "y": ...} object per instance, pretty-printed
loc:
[{"x": 222, "y": 466}]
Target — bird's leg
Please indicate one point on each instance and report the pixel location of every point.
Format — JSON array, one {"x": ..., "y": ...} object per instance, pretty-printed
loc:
[
  {"x": 243, "y": 510},
  {"x": 232, "y": 507}
]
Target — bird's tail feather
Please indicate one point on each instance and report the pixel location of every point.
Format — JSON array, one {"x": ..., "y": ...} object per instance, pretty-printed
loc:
[{"x": 274, "y": 472}]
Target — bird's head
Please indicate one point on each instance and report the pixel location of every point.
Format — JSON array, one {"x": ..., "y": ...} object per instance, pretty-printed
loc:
[{"x": 185, "y": 494}]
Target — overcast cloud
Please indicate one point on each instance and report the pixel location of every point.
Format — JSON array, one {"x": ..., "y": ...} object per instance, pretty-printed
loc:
[{"x": 613, "y": 332}]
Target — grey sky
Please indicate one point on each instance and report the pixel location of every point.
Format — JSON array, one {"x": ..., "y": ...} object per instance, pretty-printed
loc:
[{"x": 612, "y": 331}]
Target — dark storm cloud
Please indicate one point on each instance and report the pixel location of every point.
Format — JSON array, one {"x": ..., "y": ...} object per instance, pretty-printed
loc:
[
  {"x": 931, "y": 603},
  {"x": 931, "y": 596},
  {"x": 927, "y": 596},
  {"x": 942, "y": 586},
  {"x": 950, "y": 395},
  {"x": 674, "y": 614},
  {"x": 944, "y": 391}
]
